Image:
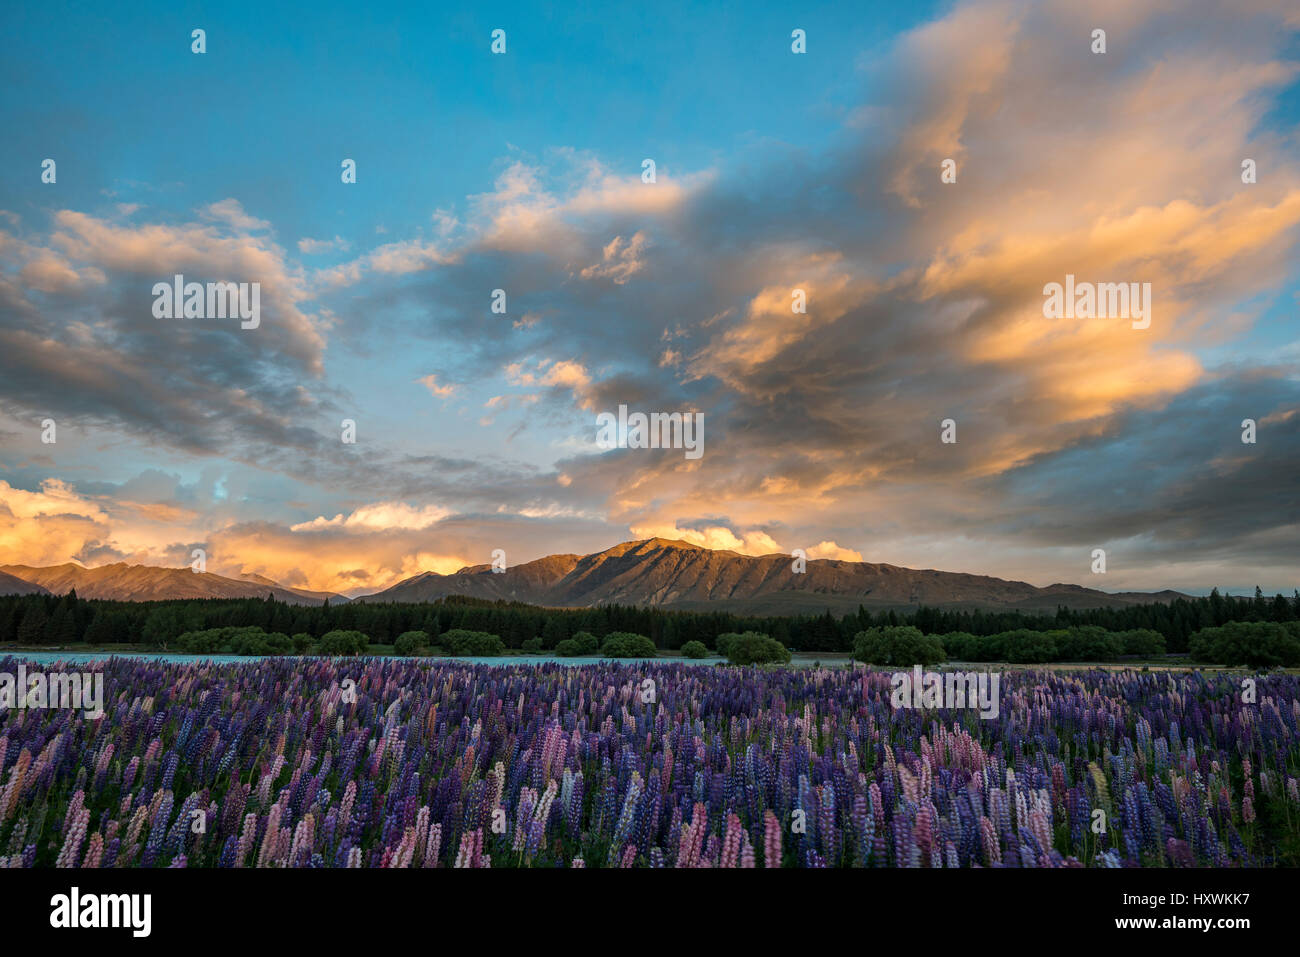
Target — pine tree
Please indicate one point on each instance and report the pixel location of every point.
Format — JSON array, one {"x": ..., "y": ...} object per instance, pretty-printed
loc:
[
  {"x": 32, "y": 629},
  {"x": 100, "y": 630},
  {"x": 62, "y": 627}
]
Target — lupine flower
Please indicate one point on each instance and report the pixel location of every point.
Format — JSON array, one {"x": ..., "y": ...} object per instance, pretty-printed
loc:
[{"x": 411, "y": 772}]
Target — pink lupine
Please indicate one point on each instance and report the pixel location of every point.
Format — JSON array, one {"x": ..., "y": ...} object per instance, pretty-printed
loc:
[
  {"x": 400, "y": 856},
  {"x": 246, "y": 838},
  {"x": 74, "y": 808},
  {"x": 345, "y": 810},
  {"x": 101, "y": 765},
  {"x": 771, "y": 840},
  {"x": 747, "y": 854},
  {"x": 94, "y": 851},
  {"x": 138, "y": 821},
  {"x": 76, "y": 833},
  {"x": 432, "y": 844},
  {"x": 877, "y": 805},
  {"x": 921, "y": 834},
  {"x": 989, "y": 838},
  {"x": 731, "y": 842},
  {"x": 266, "y": 856},
  {"x": 471, "y": 849},
  {"x": 303, "y": 837},
  {"x": 1041, "y": 830}
]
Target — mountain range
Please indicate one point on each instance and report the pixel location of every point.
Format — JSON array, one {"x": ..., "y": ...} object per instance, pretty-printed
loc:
[
  {"x": 123, "y": 582},
  {"x": 659, "y": 572},
  {"x": 679, "y": 575}
]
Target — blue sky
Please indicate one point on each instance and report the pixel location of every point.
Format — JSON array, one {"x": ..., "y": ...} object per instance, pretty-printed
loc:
[
  {"x": 776, "y": 170},
  {"x": 411, "y": 95}
]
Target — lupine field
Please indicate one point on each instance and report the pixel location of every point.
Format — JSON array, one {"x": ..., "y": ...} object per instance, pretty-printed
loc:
[{"x": 431, "y": 764}]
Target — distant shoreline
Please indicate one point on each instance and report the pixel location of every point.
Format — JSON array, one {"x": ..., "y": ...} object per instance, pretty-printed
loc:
[{"x": 1172, "y": 663}]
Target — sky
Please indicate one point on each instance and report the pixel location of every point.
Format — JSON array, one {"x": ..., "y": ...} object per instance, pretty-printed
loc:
[{"x": 774, "y": 171}]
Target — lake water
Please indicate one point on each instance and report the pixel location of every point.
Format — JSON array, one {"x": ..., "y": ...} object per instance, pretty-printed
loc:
[{"x": 82, "y": 657}]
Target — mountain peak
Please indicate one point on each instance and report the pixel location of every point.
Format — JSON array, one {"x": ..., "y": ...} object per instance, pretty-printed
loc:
[{"x": 654, "y": 544}]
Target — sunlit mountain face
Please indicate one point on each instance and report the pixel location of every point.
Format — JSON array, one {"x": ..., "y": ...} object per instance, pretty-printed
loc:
[{"x": 1003, "y": 289}]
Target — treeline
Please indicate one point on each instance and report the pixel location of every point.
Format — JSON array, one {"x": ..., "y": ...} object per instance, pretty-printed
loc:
[
  {"x": 67, "y": 619},
  {"x": 1251, "y": 643}
]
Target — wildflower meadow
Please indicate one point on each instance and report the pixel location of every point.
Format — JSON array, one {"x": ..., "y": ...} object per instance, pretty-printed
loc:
[{"x": 400, "y": 763}]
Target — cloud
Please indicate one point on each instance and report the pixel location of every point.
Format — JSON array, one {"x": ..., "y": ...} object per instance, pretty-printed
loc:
[
  {"x": 828, "y": 549},
  {"x": 753, "y": 542},
  {"x": 924, "y": 303},
  {"x": 387, "y": 544},
  {"x": 382, "y": 515},
  {"x": 620, "y": 259},
  {"x": 79, "y": 341},
  {"x": 430, "y": 382},
  {"x": 47, "y": 527},
  {"x": 313, "y": 247},
  {"x": 556, "y": 374},
  {"x": 231, "y": 212}
]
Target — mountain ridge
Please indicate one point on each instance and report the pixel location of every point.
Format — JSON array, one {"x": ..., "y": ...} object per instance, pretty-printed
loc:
[
  {"x": 655, "y": 572},
  {"x": 675, "y": 574},
  {"x": 122, "y": 582}
]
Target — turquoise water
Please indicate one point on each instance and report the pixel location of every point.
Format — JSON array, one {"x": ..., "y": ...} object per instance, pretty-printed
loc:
[{"x": 82, "y": 657}]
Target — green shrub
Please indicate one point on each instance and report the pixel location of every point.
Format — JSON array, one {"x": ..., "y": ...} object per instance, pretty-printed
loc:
[
  {"x": 624, "y": 644},
  {"x": 411, "y": 642},
  {"x": 1024, "y": 646},
  {"x": 341, "y": 642},
  {"x": 899, "y": 646},
  {"x": 203, "y": 642},
  {"x": 533, "y": 646},
  {"x": 588, "y": 644},
  {"x": 302, "y": 643},
  {"x": 1257, "y": 644},
  {"x": 988, "y": 648},
  {"x": 249, "y": 640},
  {"x": 461, "y": 642},
  {"x": 960, "y": 646},
  {"x": 254, "y": 641},
  {"x": 752, "y": 648},
  {"x": 1086, "y": 643},
  {"x": 583, "y": 644},
  {"x": 695, "y": 649},
  {"x": 1142, "y": 641}
]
